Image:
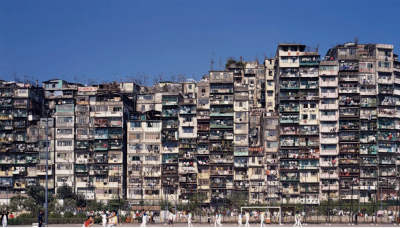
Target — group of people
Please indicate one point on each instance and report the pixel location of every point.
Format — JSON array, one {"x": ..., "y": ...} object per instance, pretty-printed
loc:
[
  {"x": 247, "y": 216},
  {"x": 107, "y": 220}
]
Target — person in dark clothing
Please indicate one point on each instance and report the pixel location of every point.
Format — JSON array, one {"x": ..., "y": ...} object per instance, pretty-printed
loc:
[
  {"x": 40, "y": 218},
  {"x": 355, "y": 217}
]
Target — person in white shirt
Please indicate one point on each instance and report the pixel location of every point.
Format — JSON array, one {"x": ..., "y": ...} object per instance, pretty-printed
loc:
[
  {"x": 240, "y": 220},
  {"x": 104, "y": 219},
  {"x": 216, "y": 219},
  {"x": 144, "y": 218},
  {"x": 171, "y": 218},
  {"x": 190, "y": 219},
  {"x": 219, "y": 219},
  {"x": 262, "y": 216},
  {"x": 247, "y": 219}
]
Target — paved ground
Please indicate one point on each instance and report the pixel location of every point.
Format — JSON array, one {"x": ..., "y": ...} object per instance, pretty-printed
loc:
[{"x": 229, "y": 225}]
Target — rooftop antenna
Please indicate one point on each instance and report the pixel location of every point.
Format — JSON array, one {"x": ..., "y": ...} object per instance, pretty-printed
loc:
[
  {"x": 256, "y": 58},
  {"x": 212, "y": 61},
  {"x": 265, "y": 56},
  {"x": 317, "y": 48},
  {"x": 356, "y": 39}
]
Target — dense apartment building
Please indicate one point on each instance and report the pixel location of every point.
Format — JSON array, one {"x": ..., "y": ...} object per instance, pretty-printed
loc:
[{"x": 294, "y": 129}]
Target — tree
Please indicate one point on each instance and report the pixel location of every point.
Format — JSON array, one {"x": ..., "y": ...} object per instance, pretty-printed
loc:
[
  {"x": 195, "y": 200},
  {"x": 65, "y": 192},
  {"x": 69, "y": 204},
  {"x": 93, "y": 205},
  {"x": 237, "y": 200},
  {"x": 80, "y": 200},
  {"x": 17, "y": 202},
  {"x": 37, "y": 199}
]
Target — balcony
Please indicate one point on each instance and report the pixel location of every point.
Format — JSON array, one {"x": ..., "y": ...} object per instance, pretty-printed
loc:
[
  {"x": 349, "y": 89},
  {"x": 328, "y": 139},
  {"x": 221, "y": 172},
  {"x": 223, "y": 123},
  {"x": 214, "y": 159},
  {"x": 328, "y": 82},
  {"x": 324, "y": 105},
  {"x": 329, "y": 163},
  {"x": 289, "y": 95},
  {"x": 328, "y": 116},
  {"x": 290, "y": 85},
  {"x": 329, "y": 93},
  {"x": 170, "y": 100},
  {"x": 349, "y": 112},
  {"x": 291, "y": 191},
  {"x": 188, "y": 110},
  {"x": 308, "y": 72},
  {"x": 166, "y": 113},
  {"x": 329, "y": 151},
  {"x": 309, "y": 143},
  {"x": 289, "y": 119},
  {"x": 215, "y": 112},
  {"x": 348, "y": 66},
  {"x": 309, "y": 95},
  {"x": 291, "y": 107},
  {"x": 368, "y": 90},
  {"x": 309, "y": 85}
]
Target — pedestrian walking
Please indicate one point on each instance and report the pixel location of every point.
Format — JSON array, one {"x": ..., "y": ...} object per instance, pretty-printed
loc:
[{"x": 247, "y": 215}]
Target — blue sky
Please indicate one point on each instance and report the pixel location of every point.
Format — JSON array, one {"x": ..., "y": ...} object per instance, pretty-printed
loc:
[{"x": 102, "y": 39}]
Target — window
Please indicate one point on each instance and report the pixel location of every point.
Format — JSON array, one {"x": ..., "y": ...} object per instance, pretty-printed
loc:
[
  {"x": 82, "y": 132},
  {"x": 270, "y": 93},
  {"x": 305, "y": 105},
  {"x": 312, "y": 105},
  {"x": 305, "y": 117},
  {"x": 292, "y": 48},
  {"x": 64, "y": 120},
  {"x": 81, "y": 120},
  {"x": 271, "y": 133},
  {"x": 384, "y": 64},
  {"x": 240, "y": 126},
  {"x": 64, "y": 131},
  {"x": 272, "y": 144},
  {"x": 352, "y": 51},
  {"x": 136, "y": 124},
  {"x": 63, "y": 108},
  {"x": 187, "y": 130},
  {"x": 153, "y": 136},
  {"x": 64, "y": 143},
  {"x": 114, "y": 179},
  {"x": 284, "y": 59},
  {"x": 203, "y": 90},
  {"x": 190, "y": 86},
  {"x": 115, "y": 109},
  {"x": 239, "y": 138},
  {"x": 313, "y": 116},
  {"x": 100, "y": 108},
  {"x": 153, "y": 124},
  {"x": 145, "y": 97}
]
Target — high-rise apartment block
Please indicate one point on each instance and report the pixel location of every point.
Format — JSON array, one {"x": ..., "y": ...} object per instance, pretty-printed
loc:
[{"x": 295, "y": 129}]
